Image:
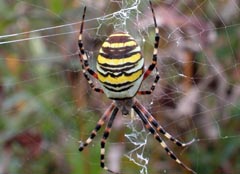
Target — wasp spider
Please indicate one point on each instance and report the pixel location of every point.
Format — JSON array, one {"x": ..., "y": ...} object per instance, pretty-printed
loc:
[{"x": 120, "y": 71}]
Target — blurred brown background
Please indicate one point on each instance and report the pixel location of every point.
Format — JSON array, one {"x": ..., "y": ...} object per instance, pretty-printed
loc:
[{"x": 46, "y": 106}]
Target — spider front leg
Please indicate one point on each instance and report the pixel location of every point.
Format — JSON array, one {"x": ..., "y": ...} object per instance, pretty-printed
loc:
[
  {"x": 104, "y": 139},
  {"x": 148, "y": 126},
  {"x": 101, "y": 121},
  {"x": 84, "y": 59},
  {"x": 158, "y": 127}
]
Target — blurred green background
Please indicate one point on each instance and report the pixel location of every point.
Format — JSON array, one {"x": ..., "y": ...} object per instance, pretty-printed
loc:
[{"x": 46, "y": 105}]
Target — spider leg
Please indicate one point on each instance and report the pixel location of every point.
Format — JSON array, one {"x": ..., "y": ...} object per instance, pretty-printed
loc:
[
  {"x": 84, "y": 59},
  {"x": 158, "y": 127},
  {"x": 155, "y": 50},
  {"x": 101, "y": 121},
  {"x": 104, "y": 138},
  {"x": 157, "y": 137},
  {"x": 148, "y": 92}
]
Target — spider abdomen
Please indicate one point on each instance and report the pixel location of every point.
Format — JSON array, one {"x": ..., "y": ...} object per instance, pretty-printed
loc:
[{"x": 120, "y": 66}]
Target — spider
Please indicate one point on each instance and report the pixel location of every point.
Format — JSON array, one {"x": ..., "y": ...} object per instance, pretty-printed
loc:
[{"x": 120, "y": 72}]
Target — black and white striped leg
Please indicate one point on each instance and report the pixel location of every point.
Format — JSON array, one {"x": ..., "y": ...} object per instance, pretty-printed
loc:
[
  {"x": 158, "y": 138},
  {"x": 155, "y": 50},
  {"x": 158, "y": 127},
  {"x": 102, "y": 120},
  {"x": 90, "y": 82},
  {"x": 104, "y": 138},
  {"x": 84, "y": 59},
  {"x": 148, "y": 92}
]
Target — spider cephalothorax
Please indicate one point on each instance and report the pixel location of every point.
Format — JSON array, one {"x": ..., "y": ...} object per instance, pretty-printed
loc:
[
  {"x": 120, "y": 72},
  {"x": 124, "y": 105}
]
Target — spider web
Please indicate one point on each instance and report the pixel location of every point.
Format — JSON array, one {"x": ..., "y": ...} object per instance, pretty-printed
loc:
[{"x": 47, "y": 105}]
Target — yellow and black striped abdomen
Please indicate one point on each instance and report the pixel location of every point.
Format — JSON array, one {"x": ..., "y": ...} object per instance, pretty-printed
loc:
[{"x": 120, "y": 66}]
